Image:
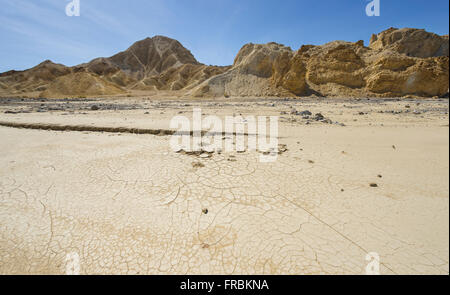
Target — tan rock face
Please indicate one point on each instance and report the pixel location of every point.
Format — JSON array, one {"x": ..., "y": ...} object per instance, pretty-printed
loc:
[
  {"x": 398, "y": 62},
  {"x": 258, "y": 70},
  {"x": 423, "y": 77},
  {"x": 348, "y": 69},
  {"x": 411, "y": 42},
  {"x": 336, "y": 63},
  {"x": 334, "y": 69}
]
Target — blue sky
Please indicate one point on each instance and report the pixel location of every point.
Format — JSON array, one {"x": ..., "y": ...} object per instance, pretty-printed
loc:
[{"x": 214, "y": 30}]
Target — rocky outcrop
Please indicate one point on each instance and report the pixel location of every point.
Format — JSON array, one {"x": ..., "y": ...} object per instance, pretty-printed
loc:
[
  {"x": 411, "y": 42},
  {"x": 397, "y": 75},
  {"x": 258, "y": 70},
  {"x": 350, "y": 69},
  {"x": 398, "y": 62},
  {"x": 335, "y": 68},
  {"x": 338, "y": 68}
]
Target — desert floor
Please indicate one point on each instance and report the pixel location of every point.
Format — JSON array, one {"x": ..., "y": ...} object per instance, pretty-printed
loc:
[{"x": 128, "y": 204}]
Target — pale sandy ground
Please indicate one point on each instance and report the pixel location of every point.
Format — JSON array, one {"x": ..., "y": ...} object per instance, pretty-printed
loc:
[{"x": 128, "y": 204}]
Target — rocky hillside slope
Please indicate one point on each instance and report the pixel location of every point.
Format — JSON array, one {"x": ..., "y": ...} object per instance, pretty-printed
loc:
[
  {"x": 397, "y": 63},
  {"x": 81, "y": 83},
  {"x": 157, "y": 63},
  {"x": 34, "y": 79}
]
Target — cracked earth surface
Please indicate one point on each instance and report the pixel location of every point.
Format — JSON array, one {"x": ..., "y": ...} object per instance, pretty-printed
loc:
[{"x": 128, "y": 204}]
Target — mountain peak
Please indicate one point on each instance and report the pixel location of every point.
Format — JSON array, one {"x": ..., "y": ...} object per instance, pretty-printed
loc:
[{"x": 152, "y": 56}]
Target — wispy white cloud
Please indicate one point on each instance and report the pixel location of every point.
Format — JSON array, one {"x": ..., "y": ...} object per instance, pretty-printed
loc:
[
  {"x": 45, "y": 42},
  {"x": 44, "y": 26}
]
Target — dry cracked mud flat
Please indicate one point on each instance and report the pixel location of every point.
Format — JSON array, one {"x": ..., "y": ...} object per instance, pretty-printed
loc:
[{"x": 371, "y": 177}]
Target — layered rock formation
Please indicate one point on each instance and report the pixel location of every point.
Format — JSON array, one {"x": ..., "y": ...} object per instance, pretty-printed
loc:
[
  {"x": 254, "y": 73},
  {"x": 411, "y": 42},
  {"x": 398, "y": 62}
]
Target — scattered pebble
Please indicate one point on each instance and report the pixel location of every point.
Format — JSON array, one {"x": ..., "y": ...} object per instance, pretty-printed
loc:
[
  {"x": 319, "y": 117},
  {"x": 282, "y": 148},
  {"x": 198, "y": 165}
]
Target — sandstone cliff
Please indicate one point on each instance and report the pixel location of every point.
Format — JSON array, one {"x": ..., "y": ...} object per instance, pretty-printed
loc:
[
  {"x": 411, "y": 42},
  {"x": 398, "y": 67},
  {"x": 252, "y": 74}
]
